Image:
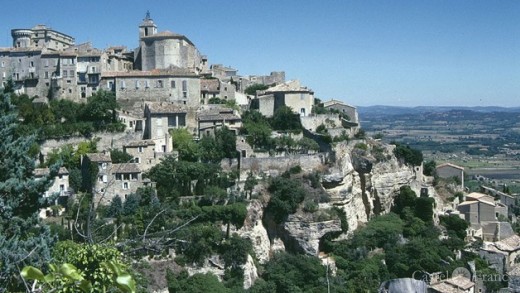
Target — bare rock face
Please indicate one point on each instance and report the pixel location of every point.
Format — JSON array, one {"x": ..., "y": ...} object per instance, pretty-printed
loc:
[
  {"x": 254, "y": 229},
  {"x": 306, "y": 235},
  {"x": 368, "y": 186},
  {"x": 250, "y": 272}
]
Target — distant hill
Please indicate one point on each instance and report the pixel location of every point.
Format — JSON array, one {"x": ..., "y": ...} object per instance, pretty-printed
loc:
[{"x": 381, "y": 110}]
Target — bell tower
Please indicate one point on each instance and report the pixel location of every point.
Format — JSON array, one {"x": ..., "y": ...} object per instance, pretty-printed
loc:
[{"x": 147, "y": 27}]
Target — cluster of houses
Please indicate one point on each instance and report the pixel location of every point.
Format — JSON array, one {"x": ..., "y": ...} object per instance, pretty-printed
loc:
[{"x": 163, "y": 84}]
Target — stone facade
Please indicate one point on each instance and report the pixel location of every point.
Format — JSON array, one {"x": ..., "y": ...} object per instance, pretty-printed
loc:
[
  {"x": 41, "y": 36},
  {"x": 112, "y": 179},
  {"x": 172, "y": 85},
  {"x": 448, "y": 170},
  {"x": 161, "y": 50},
  {"x": 143, "y": 153},
  {"x": 292, "y": 94},
  {"x": 213, "y": 118}
]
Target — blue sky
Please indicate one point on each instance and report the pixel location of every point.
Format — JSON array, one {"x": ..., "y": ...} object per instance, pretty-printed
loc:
[{"x": 403, "y": 53}]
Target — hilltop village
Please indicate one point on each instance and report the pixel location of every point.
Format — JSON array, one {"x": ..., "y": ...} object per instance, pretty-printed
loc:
[{"x": 230, "y": 181}]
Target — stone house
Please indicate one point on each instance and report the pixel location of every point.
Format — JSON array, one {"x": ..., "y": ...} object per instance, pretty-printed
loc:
[
  {"x": 292, "y": 94},
  {"x": 173, "y": 85},
  {"x": 448, "y": 170},
  {"x": 60, "y": 185},
  {"x": 213, "y": 118},
  {"x": 215, "y": 88},
  {"x": 502, "y": 254},
  {"x": 223, "y": 72},
  {"x": 274, "y": 78},
  {"x": 112, "y": 180},
  {"x": 341, "y": 107},
  {"x": 503, "y": 198},
  {"x": 160, "y": 118},
  {"x": 143, "y": 152},
  {"x": 125, "y": 178},
  {"x": 482, "y": 212}
]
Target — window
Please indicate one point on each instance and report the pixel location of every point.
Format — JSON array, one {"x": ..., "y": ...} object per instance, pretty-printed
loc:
[
  {"x": 93, "y": 69},
  {"x": 105, "y": 178},
  {"x": 123, "y": 85},
  {"x": 137, "y": 84},
  {"x": 71, "y": 73},
  {"x": 302, "y": 97},
  {"x": 302, "y": 111},
  {"x": 119, "y": 176},
  {"x": 140, "y": 149},
  {"x": 3, "y": 63},
  {"x": 3, "y": 74},
  {"x": 185, "y": 95},
  {"x": 110, "y": 85},
  {"x": 172, "y": 82},
  {"x": 147, "y": 84},
  {"x": 64, "y": 73},
  {"x": 46, "y": 74},
  {"x": 184, "y": 86},
  {"x": 46, "y": 63},
  {"x": 100, "y": 178},
  {"x": 137, "y": 160},
  {"x": 159, "y": 84},
  {"x": 31, "y": 64},
  {"x": 125, "y": 185},
  {"x": 62, "y": 188}
]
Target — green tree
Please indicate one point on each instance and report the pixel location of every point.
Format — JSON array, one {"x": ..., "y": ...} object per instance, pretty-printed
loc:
[
  {"x": 23, "y": 238},
  {"x": 285, "y": 119},
  {"x": 118, "y": 156},
  {"x": 408, "y": 155},
  {"x": 251, "y": 90},
  {"x": 198, "y": 283},
  {"x": 429, "y": 168},
  {"x": 286, "y": 195},
  {"x": 100, "y": 108}
]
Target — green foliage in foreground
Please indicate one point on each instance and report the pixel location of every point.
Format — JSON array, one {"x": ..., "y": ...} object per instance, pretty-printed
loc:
[{"x": 24, "y": 239}]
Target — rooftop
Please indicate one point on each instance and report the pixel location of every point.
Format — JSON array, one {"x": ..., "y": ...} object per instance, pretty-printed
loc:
[
  {"x": 126, "y": 168},
  {"x": 164, "y": 108},
  {"x": 290, "y": 86},
  {"x": 450, "y": 165}
]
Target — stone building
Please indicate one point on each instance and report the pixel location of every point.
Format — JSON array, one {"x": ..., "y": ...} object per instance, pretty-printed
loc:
[
  {"x": 292, "y": 94},
  {"x": 215, "y": 117},
  {"x": 41, "y": 36},
  {"x": 348, "y": 110},
  {"x": 60, "y": 185},
  {"x": 160, "y": 118},
  {"x": 274, "y": 78},
  {"x": 448, "y": 170},
  {"x": 172, "y": 85},
  {"x": 161, "y": 50},
  {"x": 103, "y": 161},
  {"x": 502, "y": 254},
  {"x": 112, "y": 180},
  {"x": 481, "y": 211},
  {"x": 215, "y": 88},
  {"x": 143, "y": 152}
]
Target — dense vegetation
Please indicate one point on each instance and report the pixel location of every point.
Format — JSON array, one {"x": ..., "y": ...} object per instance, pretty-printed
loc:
[
  {"x": 258, "y": 131},
  {"x": 64, "y": 118}
]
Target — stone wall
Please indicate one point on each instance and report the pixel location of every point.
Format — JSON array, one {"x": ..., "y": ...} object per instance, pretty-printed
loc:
[
  {"x": 277, "y": 165},
  {"x": 107, "y": 140}
]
